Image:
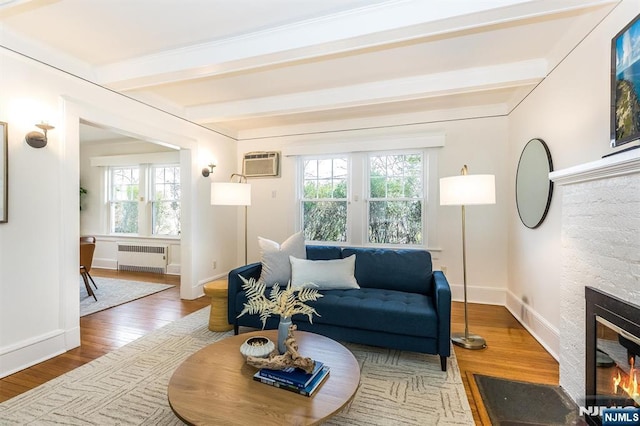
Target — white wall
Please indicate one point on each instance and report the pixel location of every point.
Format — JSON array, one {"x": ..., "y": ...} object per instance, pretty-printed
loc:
[
  {"x": 569, "y": 110},
  {"x": 479, "y": 143},
  {"x": 39, "y": 286}
]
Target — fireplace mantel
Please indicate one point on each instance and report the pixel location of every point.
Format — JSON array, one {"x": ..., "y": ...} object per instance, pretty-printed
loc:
[{"x": 616, "y": 165}]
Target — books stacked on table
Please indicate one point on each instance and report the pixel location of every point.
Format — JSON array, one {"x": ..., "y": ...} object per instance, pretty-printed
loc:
[{"x": 294, "y": 379}]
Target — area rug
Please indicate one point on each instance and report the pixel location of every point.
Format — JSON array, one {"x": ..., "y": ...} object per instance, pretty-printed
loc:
[
  {"x": 112, "y": 292},
  {"x": 129, "y": 386},
  {"x": 510, "y": 402}
]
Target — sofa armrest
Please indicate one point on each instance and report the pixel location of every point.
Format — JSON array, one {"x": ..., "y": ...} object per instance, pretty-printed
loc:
[
  {"x": 442, "y": 298},
  {"x": 235, "y": 286}
]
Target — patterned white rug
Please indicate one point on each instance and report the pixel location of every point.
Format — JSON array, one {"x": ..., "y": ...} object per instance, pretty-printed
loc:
[
  {"x": 129, "y": 386},
  {"x": 112, "y": 292}
]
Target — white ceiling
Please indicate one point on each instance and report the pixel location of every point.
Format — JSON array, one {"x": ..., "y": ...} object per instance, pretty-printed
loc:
[{"x": 237, "y": 65}]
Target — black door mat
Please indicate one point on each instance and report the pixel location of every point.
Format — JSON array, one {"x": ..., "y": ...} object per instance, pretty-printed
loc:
[{"x": 515, "y": 403}]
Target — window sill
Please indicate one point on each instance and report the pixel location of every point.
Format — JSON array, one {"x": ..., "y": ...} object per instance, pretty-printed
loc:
[{"x": 115, "y": 237}]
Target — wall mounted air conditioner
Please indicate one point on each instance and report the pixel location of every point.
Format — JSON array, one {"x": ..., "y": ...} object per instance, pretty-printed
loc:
[{"x": 261, "y": 164}]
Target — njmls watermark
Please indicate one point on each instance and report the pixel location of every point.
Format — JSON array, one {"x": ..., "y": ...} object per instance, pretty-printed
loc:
[{"x": 613, "y": 416}]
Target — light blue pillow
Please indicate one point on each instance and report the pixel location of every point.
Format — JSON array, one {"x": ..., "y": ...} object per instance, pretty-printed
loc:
[{"x": 336, "y": 274}]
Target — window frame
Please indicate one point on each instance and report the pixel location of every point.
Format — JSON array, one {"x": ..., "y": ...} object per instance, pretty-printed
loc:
[
  {"x": 358, "y": 195},
  {"x": 301, "y": 199},
  {"x": 145, "y": 198},
  {"x": 151, "y": 169},
  {"x": 367, "y": 198},
  {"x": 110, "y": 191}
]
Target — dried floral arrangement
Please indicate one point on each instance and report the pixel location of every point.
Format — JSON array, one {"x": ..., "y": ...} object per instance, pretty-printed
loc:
[{"x": 286, "y": 303}]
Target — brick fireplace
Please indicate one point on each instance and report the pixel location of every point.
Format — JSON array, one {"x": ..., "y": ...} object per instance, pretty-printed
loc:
[{"x": 600, "y": 249}]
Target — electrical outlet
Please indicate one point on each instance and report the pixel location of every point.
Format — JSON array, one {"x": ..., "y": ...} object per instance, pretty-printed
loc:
[
  {"x": 215, "y": 264},
  {"x": 443, "y": 269}
]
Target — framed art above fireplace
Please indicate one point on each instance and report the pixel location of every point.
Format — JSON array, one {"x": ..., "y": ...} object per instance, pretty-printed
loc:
[{"x": 625, "y": 84}]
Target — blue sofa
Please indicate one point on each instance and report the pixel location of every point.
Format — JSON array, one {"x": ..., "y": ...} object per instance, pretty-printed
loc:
[{"x": 401, "y": 303}]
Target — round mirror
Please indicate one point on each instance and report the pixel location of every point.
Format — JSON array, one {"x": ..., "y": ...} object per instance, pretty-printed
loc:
[{"x": 533, "y": 187}]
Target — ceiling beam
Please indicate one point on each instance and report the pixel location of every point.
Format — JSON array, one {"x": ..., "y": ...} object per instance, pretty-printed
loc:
[
  {"x": 386, "y": 23},
  {"x": 516, "y": 74}
]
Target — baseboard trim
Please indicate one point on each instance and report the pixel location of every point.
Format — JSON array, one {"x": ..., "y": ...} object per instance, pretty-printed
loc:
[
  {"x": 173, "y": 269},
  {"x": 103, "y": 263},
  {"x": 541, "y": 330},
  {"x": 29, "y": 352},
  {"x": 198, "y": 290},
  {"x": 482, "y": 295}
]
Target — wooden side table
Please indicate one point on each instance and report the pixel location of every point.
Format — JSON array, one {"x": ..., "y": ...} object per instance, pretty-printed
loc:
[{"x": 217, "y": 291}]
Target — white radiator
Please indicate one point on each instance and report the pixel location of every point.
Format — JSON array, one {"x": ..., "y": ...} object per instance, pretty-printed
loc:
[{"x": 142, "y": 258}]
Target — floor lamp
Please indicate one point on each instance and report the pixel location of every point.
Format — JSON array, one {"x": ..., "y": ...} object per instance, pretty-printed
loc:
[
  {"x": 233, "y": 194},
  {"x": 465, "y": 190}
]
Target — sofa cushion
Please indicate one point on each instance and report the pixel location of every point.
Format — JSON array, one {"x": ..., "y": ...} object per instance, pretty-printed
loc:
[
  {"x": 325, "y": 274},
  {"x": 402, "y": 270},
  {"x": 324, "y": 252},
  {"x": 276, "y": 267},
  {"x": 379, "y": 310}
]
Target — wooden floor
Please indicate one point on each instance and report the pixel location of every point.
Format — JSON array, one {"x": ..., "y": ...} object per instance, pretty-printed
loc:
[{"x": 511, "y": 353}]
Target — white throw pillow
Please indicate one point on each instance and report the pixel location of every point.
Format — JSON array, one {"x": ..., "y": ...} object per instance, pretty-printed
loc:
[
  {"x": 276, "y": 267},
  {"x": 336, "y": 274}
]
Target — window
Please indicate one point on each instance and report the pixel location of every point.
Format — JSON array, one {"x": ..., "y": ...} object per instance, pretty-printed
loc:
[
  {"x": 130, "y": 187},
  {"x": 367, "y": 198},
  {"x": 324, "y": 199},
  {"x": 123, "y": 199},
  {"x": 166, "y": 200},
  {"x": 395, "y": 199}
]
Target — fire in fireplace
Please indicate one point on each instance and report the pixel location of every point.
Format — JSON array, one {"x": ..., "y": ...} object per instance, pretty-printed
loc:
[
  {"x": 612, "y": 353},
  {"x": 629, "y": 383}
]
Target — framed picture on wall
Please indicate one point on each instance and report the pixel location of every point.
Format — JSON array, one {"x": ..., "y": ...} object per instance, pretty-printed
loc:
[
  {"x": 4, "y": 174},
  {"x": 625, "y": 84}
]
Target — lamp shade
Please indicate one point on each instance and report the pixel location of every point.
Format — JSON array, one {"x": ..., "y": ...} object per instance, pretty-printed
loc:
[
  {"x": 465, "y": 190},
  {"x": 230, "y": 194}
]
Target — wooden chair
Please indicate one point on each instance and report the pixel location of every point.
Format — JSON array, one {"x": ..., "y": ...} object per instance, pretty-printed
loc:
[
  {"x": 89, "y": 239},
  {"x": 86, "y": 258}
]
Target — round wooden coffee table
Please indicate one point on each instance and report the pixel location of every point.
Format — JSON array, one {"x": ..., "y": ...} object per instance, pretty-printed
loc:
[{"x": 216, "y": 386}]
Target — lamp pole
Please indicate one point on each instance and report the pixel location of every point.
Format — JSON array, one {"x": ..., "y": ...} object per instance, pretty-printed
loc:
[
  {"x": 245, "y": 234},
  {"x": 461, "y": 191}
]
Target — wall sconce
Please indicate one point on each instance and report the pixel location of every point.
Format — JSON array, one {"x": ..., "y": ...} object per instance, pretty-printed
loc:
[
  {"x": 208, "y": 170},
  {"x": 36, "y": 139}
]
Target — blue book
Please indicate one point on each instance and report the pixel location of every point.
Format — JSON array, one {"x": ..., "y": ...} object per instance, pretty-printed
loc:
[
  {"x": 306, "y": 391},
  {"x": 292, "y": 376}
]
